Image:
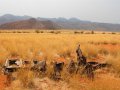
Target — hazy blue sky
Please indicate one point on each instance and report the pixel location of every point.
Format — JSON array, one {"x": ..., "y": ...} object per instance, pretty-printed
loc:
[{"x": 93, "y": 10}]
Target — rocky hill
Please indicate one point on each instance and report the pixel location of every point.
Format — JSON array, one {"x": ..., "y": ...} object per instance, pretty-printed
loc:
[{"x": 30, "y": 24}]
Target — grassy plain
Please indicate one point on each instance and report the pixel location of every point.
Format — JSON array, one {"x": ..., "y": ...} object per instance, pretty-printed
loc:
[{"x": 98, "y": 46}]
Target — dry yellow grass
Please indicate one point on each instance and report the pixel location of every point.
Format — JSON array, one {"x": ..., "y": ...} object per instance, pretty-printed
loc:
[
  {"x": 32, "y": 43},
  {"x": 96, "y": 47}
]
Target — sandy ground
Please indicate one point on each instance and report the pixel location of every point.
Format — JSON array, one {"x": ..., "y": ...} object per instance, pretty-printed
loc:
[{"x": 2, "y": 82}]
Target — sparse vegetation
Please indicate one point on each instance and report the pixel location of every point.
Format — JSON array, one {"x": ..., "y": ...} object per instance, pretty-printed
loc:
[
  {"x": 76, "y": 32},
  {"x": 37, "y": 31},
  {"x": 103, "y": 33},
  {"x": 113, "y": 33},
  {"x": 92, "y": 32}
]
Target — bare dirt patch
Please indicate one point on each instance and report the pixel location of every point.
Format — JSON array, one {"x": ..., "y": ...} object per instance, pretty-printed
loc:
[{"x": 2, "y": 82}]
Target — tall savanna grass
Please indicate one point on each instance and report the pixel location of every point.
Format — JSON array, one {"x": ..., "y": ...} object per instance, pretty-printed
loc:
[{"x": 96, "y": 47}]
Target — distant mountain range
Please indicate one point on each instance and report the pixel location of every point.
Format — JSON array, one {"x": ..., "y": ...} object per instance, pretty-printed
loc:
[
  {"x": 9, "y": 21},
  {"x": 11, "y": 18},
  {"x": 31, "y": 23}
]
